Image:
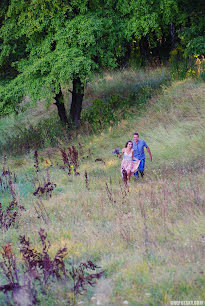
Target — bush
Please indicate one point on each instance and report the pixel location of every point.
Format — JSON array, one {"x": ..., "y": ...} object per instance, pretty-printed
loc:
[
  {"x": 181, "y": 66},
  {"x": 99, "y": 114},
  {"x": 105, "y": 111},
  {"x": 22, "y": 139}
]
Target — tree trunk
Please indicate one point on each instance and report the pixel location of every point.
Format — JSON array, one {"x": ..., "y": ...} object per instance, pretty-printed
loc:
[
  {"x": 77, "y": 100},
  {"x": 144, "y": 50},
  {"x": 61, "y": 107}
]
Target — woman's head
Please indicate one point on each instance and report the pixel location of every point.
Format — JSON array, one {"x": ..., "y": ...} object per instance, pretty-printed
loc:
[{"x": 128, "y": 144}]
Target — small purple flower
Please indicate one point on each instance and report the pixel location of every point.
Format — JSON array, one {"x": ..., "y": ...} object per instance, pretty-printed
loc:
[{"x": 116, "y": 151}]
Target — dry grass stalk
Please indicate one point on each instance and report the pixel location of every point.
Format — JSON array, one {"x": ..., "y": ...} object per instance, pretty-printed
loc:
[{"x": 109, "y": 192}]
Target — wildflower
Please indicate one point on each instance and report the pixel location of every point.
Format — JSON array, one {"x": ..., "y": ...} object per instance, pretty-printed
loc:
[
  {"x": 174, "y": 52},
  {"x": 47, "y": 163},
  {"x": 7, "y": 250}
]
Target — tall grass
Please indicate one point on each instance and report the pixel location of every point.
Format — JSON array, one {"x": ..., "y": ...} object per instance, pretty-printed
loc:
[
  {"x": 148, "y": 238},
  {"x": 123, "y": 82}
]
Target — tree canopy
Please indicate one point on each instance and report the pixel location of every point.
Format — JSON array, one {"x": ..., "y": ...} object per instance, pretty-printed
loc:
[{"x": 46, "y": 44}]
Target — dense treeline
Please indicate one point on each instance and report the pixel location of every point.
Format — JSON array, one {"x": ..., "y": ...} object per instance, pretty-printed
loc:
[{"x": 46, "y": 45}]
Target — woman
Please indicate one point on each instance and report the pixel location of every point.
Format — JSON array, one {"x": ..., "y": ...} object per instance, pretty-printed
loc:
[{"x": 128, "y": 164}]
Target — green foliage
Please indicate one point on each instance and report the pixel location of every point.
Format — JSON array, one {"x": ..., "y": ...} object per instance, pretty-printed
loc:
[
  {"x": 202, "y": 75},
  {"x": 59, "y": 41},
  {"x": 99, "y": 114},
  {"x": 195, "y": 46},
  {"x": 148, "y": 17},
  {"x": 46, "y": 44},
  {"x": 192, "y": 31},
  {"x": 110, "y": 101},
  {"x": 115, "y": 106},
  {"x": 152, "y": 21},
  {"x": 21, "y": 139},
  {"x": 180, "y": 65}
]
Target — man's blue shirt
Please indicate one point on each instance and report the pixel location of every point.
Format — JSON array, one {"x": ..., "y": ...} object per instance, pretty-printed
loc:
[{"x": 139, "y": 149}]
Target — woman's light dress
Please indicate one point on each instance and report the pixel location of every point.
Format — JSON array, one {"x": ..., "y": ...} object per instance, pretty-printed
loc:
[{"x": 129, "y": 164}]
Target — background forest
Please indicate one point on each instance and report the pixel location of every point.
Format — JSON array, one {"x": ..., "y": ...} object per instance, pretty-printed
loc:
[{"x": 77, "y": 79}]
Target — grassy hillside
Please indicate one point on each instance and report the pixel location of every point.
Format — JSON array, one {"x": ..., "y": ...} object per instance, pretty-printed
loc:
[
  {"x": 107, "y": 99},
  {"x": 149, "y": 238}
]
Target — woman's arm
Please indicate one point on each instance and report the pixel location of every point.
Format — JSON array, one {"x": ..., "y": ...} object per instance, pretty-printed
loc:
[{"x": 120, "y": 155}]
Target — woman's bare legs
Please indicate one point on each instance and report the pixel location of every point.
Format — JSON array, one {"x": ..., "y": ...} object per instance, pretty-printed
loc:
[
  {"x": 128, "y": 175},
  {"x": 124, "y": 176}
]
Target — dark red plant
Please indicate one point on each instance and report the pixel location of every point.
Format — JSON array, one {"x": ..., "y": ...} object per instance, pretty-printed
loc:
[
  {"x": 75, "y": 160},
  {"x": 81, "y": 276},
  {"x": 70, "y": 159},
  {"x": 65, "y": 160},
  {"x": 8, "y": 216},
  {"x": 36, "y": 162},
  {"x": 5, "y": 178},
  {"x": 86, "y": 180},
  {"x": 47, "y": 186},
  {"x": 14, "y": 285},
  {"x": 46, "y": 189},
  {"x": 9, "y": 264},
  {"x": 73, "y": 155},
  {"x": 100, "y": 160},
  {"x": 38, "y": 266},
  {"x": 36, "y": 260}
]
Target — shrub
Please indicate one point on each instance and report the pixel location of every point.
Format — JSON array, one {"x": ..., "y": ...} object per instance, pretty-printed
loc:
[
  {"x": 181, "y": 65},
  {"x": 8, "y": 216},
  {"x": 99, "y": 114},
  {"x": 39, "y": 267},
  {"x": 22, "y": 139},
  {"x": 105, "y": 111}
]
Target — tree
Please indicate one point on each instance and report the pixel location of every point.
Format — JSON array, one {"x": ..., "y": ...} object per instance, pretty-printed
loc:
[
  {"x": 162, "y": 24},
  {"x": 149, "y": 27},
  {"x": 48, "y": 44},
  {"x": 192, "y": 30}
]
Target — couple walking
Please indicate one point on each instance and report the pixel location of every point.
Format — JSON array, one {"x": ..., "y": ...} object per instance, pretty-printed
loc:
[{"x": 134, "y": 157}]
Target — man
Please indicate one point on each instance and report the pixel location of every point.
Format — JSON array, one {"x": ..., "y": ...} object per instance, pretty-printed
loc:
[{"x": 138, "y": 146}]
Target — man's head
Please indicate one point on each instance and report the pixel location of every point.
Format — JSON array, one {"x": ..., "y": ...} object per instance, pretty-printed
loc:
[{"x": 135, "y": 137}]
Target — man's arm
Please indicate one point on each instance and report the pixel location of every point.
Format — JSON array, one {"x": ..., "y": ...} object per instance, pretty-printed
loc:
[{"x": 149, "y": 152}]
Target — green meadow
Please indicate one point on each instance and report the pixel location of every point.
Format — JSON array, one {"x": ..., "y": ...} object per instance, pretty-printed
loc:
[{"x": 149, "y": 237}]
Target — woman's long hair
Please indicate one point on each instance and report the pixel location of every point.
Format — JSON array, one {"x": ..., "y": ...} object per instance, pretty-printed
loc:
[{"x": 128, "y": 142}]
